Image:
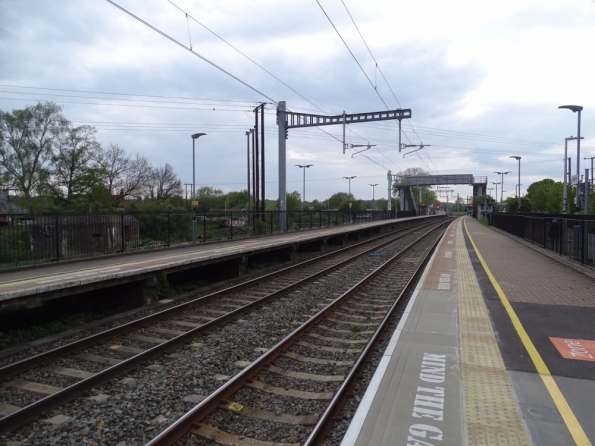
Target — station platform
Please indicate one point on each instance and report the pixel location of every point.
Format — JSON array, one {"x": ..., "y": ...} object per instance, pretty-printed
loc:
[
  {"x": 496, "y": 347},
  {"x": 132, "y": 275}
]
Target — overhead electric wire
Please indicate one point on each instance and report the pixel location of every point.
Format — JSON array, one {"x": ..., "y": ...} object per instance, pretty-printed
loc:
[
  {"x": 121, "y": 94},
  {"x": 190, "y": 50},
  {"x": 127, "y": 105},
  {"x": 385, "y": 80},
  {"x": 246, "y": 56},
  {"x": 265, "y": 70}
]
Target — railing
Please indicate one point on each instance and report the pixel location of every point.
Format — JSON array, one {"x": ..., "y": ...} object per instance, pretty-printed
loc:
[
  {"x": 38, "y": 238},
  {"x": 572, "y": 236}
]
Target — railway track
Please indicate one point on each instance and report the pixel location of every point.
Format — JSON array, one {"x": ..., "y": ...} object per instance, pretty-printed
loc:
[
  {"x": 291, "y": 394},
  {"x": 67, "y": 372}
]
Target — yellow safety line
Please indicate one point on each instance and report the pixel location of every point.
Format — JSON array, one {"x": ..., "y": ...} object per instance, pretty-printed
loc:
[{"x": 573, "y": 425}]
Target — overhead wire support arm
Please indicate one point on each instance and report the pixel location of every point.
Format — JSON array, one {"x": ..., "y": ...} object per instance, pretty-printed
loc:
[
  {"x": 367, "y": 147},
  {"x": 420, "y": 147},
  {"x": 299, "y": 120}
]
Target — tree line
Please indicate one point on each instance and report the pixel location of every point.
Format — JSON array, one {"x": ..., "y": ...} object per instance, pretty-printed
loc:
[{"x": 54, "y": 165}]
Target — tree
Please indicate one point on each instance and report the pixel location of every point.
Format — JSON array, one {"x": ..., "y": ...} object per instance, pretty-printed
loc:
[
  {"x": 163, "y": 183},
  {"x": 73, "y": 171},
  {"x": 546, "y": 196},
  {"x": 208, "y": 197},
  {"x": 294, "y": 201},
  {"x": 27, "y": 139},
  {"x": 336, "y": 199},
  {"x": 114, "y": 161}
]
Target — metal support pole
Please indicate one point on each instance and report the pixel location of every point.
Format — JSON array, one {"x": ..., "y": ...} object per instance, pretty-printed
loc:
[
  {"x": 399, "y": 136},
  {"x": 389, "y": 177},
  {"x": 248, "y": 168},
  {"x": 193, "y": 195},
  {"x": 587, "y": 194},
  {"x": 585, "y": 253},
  {"x": 565, "y": 192},
  {"x": 256, "y": 151},
  {"x": 253, "y": 172},
  {"x": 282, "y": 167},
  {"x": 578, "y": 145},
  {"x": 262, "y": 203},
  {"x": 519, "y": 184},
  {"x": 344, "y": 145}
]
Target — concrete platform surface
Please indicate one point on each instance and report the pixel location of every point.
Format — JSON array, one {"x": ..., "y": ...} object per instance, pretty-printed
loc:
[{"x": 496, "y": 347}]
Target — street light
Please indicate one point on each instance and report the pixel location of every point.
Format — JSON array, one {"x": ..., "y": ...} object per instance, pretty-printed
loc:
[
  {"x": 518, "y": 158},
  {"x": 566, "y": 174},
  {"x": 574, "y": 109},
  {"x": 304, "y": 184},
  {"x": 350, "y": 178},
  {"x": 502, "y": 189},
  {"x": 194, "y": 137},
  {"x": 373, "y": 196},
  {"x": 496, "y": 190}
]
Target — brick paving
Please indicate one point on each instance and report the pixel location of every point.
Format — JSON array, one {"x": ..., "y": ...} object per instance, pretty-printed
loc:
[{"x": 527, "y": 276}]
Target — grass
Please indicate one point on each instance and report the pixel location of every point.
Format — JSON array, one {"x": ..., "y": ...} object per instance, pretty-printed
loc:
[{"x": 355, "y": 329}]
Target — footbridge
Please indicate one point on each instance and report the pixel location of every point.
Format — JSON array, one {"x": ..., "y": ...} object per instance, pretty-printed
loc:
[{"x": 404, "y": 185}]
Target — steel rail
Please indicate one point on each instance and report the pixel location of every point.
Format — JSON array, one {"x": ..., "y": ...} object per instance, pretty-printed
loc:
[
  {"x": 34, "y": 361},
  {"x": 328, "y": 417},
  {"x": 33, "y": 410},
  {"x": 179, "y": 428}
]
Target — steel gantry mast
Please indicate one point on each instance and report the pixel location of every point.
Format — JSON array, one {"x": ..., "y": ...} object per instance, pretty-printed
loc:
[{"x": 290, "y": 120}]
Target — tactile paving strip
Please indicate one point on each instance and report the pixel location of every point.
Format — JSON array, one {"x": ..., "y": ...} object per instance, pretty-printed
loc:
[{"x": 491, "y": 413}]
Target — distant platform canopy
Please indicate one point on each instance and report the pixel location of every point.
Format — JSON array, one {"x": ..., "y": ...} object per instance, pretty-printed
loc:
[{"x": 439, "y": 180}]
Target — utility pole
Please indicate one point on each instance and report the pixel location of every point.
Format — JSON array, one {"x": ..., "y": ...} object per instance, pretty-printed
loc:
[
  {"x": 256, "y": 151},
  {"x": 248, "y": 167},
  {"x": 262, "y": 202}
]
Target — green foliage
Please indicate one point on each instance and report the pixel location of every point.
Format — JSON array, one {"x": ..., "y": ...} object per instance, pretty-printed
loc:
[
  {"x": 356, "y": 206},
  {"x": 294, "y": 201},
  {"x": 546, "y": 196},
  {"x": 336, "y": 199}
]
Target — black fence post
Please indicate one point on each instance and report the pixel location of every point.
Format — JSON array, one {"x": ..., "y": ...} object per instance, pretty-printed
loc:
[
  {"x": 204, "y": 226},
  {"x": 168, "y": 228},
  {"x": 231, "y": 224},
  {"x": 57, "y": 222},
  {"x": 272, "y": 219},
  {"x": 123, "y": 238}
]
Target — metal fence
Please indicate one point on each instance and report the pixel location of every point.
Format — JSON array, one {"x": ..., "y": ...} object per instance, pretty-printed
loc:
[
  {"x": 572, "y": 236},
  {"x": 37, "y": 238}
]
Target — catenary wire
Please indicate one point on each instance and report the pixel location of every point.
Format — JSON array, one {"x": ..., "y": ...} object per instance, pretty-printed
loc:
[{"x": 190, "y": 50}]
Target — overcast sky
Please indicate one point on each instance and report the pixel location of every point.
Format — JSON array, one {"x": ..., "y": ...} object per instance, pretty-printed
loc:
[{"x": 483, "y": 80}]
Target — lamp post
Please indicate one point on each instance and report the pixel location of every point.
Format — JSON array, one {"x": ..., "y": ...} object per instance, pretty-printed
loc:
[
  {"x": 502, "y": 188},
  {"x": 304, "y": 183},
  {"x": 518, "y": 158},
  {"x": 350, "y": 178},
  {"x": 194, "y": 137},
  {"x": 566, "y": 175},
  {"x": 496, "y": 190},
  {"x": 574, "y": 109},
  {"x": 373, "y": 196}
]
